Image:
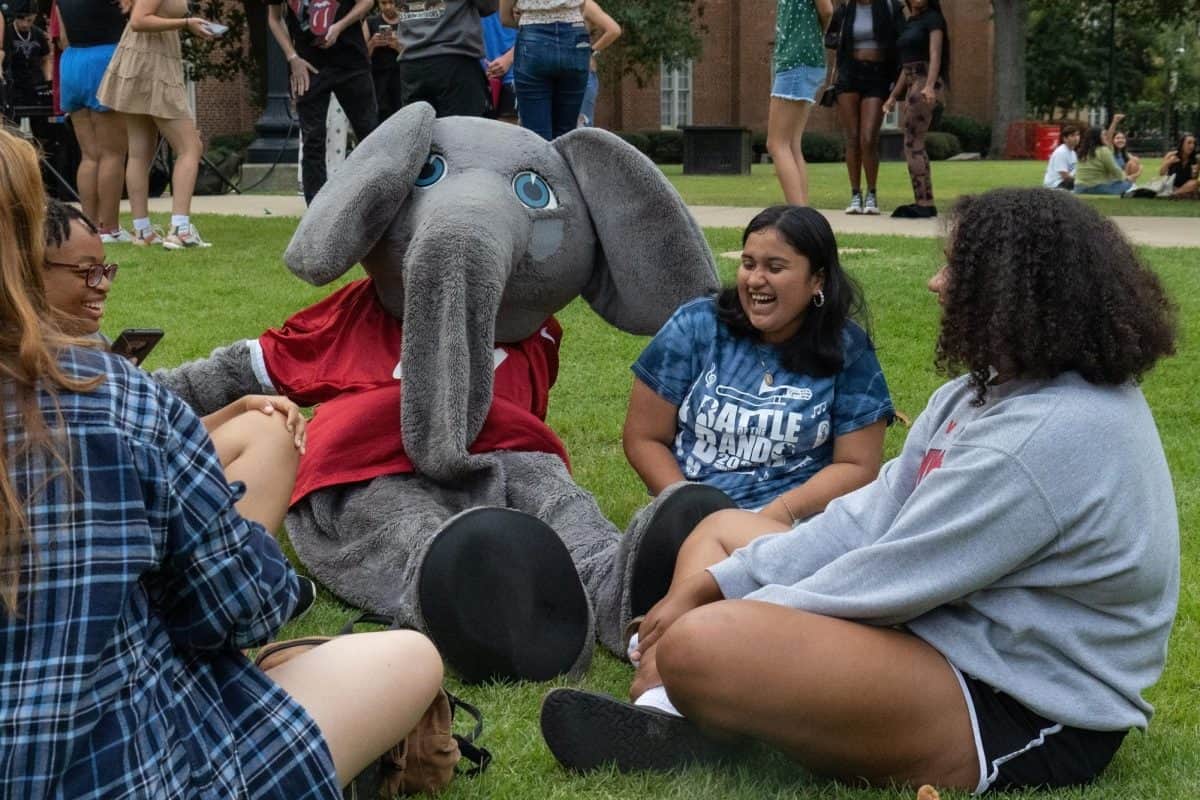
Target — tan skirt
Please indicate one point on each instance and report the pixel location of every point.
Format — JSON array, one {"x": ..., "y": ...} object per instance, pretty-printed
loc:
[{"x": 145, "y": 76}]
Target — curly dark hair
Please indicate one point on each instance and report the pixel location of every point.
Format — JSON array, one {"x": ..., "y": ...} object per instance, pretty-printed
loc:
[
  {"x": 1038, "y": 284},
  {"x": 816, "y": 348},
  {"x": 59, "y": 217}
]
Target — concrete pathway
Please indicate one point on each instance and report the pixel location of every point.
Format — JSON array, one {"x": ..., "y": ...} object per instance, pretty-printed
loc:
[{"x": 1155, "y": 231}]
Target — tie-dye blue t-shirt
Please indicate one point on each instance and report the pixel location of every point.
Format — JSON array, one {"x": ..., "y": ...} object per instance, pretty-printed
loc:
[{"x": 752, "y": 436}]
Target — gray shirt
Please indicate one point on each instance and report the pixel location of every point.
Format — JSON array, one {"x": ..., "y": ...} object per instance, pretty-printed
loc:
[
  {"x": 430, "y": 28},
  {"x": 1032, "y": 540}
]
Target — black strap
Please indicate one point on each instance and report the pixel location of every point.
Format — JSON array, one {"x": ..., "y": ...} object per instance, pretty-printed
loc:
[
  {"x": 480, "y": 757},
  {"x": 457, "y": 703}
]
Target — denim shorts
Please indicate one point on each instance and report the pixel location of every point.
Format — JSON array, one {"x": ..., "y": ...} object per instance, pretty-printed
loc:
[
  {"x": 798, "y": 83},
  {"x": 80, "y": 73}
]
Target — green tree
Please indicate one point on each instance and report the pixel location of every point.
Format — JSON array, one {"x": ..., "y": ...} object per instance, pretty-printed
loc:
[
  {"x": 1069, "y": 57},
  {"x": 653, "y": 32},
  {"x": 1010, "y": 23},
  {"x": 225, "y": 57}
]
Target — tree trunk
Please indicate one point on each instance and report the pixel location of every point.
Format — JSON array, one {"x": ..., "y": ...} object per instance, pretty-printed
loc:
[{"x": 1010, "y": 19}]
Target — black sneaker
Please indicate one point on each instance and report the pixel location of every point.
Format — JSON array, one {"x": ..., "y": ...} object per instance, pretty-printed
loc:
[
  {"x": 587, "y": 731},
  {"x": 914, "y": 211},
  {"x": 308, "y": 596}
]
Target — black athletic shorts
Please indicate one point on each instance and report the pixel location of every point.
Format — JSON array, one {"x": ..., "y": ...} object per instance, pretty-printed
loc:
[
  {"x": 866, "y": 78},
  {"x": 1019, "y": 749}
]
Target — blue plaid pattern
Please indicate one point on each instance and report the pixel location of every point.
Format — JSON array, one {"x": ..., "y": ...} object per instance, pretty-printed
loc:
[{"x": 122, "y": 674}]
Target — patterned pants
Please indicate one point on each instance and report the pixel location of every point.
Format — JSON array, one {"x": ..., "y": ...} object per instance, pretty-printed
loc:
[{"x": 918, "y": 116}]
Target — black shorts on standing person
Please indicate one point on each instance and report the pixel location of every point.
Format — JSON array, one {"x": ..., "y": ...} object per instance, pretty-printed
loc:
[
  {"x": 383, "y": 45},
  {"x": 341, "y": 69},
  {"x": 442, "y": 43}
]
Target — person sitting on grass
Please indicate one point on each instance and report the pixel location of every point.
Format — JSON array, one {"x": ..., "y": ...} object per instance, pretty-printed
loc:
[
  {"x": 258, "y": 438},
  {"x": 129, "y": 584},
  {"x": 988, "y": 612},
  {"x": 770, "y": 391},
  {"x": 1097, "y": 171},
  {"x": 1131, "y": 164},
  {"x": 1060, "y": 169},
  {"x": 1182, "y": 167}
]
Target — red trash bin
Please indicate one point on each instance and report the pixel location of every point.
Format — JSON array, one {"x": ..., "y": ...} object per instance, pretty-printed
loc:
[{"x": 1047, "y": 139}]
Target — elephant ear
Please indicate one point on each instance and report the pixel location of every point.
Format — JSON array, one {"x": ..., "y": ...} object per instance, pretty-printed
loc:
[
  {"x": 350, "y": 214},
  {"x": 651, "y": 255}
]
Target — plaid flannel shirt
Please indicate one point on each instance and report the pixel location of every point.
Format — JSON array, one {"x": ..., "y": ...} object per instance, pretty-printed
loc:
[{"x": 122, "y": 674}]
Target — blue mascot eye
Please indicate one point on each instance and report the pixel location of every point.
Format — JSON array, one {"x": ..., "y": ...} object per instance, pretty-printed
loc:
[
  {"x": 533, "y": 191},
  {"x": 433, "y": 171}
]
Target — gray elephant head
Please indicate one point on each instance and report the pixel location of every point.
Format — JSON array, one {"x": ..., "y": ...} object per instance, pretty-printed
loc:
[{"x": 475, "y": 232}]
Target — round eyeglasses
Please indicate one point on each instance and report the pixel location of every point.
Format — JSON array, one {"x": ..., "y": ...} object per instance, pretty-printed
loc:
[{"x": 92, "y": 274}]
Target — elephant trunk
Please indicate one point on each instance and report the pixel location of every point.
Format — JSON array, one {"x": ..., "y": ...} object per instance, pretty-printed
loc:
[{"x": 455, "y": 272}]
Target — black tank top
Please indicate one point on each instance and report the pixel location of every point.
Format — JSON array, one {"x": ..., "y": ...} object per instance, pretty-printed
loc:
[{"x": 91, "y": 22}]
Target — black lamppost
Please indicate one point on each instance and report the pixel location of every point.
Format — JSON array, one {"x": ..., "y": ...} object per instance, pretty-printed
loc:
[
  {"x": 278, "y": 134},
  {"x": 1112, "y": 53}
]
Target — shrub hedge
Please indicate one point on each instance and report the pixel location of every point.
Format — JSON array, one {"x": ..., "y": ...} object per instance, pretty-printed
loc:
[{"x": 941, "y": 146}]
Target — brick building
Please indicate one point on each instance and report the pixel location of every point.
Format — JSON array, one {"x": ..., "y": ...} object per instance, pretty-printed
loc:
[{"x": 730, "y": 83}]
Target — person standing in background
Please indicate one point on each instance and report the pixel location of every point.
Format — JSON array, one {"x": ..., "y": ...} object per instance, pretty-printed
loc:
[
  {"x": 383, "y": 46},
  {"x": 327, "y": 54},
  {"x": 144, "y": 81},
  {"x": 925, "y": 57},
  {"x": 800, "y": 75},
  {"x": 604, "y": 30},
  {"x": 90, "y": 30},
  {"x": 553, "y": 48},
  {"x": 866, "y": 69},
  {"x": 499, "y": 44},
  {"x": 441, "y": 44}
]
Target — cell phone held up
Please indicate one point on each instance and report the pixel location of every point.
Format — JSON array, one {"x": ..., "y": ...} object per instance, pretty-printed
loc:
[{"x": 136, "y": 343}]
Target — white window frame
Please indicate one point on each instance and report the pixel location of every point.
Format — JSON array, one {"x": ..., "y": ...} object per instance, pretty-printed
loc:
[{"x": 676, "y": 90}]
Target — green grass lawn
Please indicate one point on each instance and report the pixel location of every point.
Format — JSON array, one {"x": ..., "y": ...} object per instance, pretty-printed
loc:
[
  {"x": 240, "y": 286},
  {"x": 829, "y": 187}
]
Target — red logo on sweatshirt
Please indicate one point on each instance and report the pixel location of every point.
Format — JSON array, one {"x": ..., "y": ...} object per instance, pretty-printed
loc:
[
  {"x": 931, "y": 461},
  {"x": 951, "y": 426}
]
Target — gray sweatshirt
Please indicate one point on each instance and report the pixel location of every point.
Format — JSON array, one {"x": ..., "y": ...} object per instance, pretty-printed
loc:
[
  {"x": 442, "y": 27},
  {"x": 1033, "y": 541}
]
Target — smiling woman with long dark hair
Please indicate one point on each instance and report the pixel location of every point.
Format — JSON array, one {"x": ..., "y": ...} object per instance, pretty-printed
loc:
[{"x": 988, "y": 612}]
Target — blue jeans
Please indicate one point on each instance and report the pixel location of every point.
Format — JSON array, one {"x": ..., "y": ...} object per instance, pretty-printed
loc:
[
  {"x": 1112, "y": 187},
  {"x": 587, "y": 111},
  {"x": 550, "y": 72}
]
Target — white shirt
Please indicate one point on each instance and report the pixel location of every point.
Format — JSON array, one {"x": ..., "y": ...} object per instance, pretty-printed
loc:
[{"x": 1063, "y": 159}]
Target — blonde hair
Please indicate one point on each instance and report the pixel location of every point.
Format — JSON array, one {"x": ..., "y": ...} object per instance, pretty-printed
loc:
[{"x": 28, "y": 343}]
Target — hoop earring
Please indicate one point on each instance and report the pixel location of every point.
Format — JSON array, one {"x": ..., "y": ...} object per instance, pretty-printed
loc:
[{"x": 818, "y": 299}]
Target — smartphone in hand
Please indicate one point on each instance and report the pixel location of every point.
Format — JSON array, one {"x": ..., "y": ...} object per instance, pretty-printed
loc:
[
  {"x": 136, "y": 343},
  {"x": 216, "y": 28}
]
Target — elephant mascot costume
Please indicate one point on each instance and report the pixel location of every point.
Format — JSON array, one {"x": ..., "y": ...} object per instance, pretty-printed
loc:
[{"x": 431, "y": 489}]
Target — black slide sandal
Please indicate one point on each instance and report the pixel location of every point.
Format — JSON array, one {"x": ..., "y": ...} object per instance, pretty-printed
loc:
[
  {"x": 672, "y": 522},
  {"x": 501, "y": 597}
]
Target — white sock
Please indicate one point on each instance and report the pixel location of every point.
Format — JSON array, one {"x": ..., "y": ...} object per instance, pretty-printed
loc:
[
  {"x": 141, "y": 224},
  {"x": 657, "y": 698},
  {"x": 179, "y": 220}
]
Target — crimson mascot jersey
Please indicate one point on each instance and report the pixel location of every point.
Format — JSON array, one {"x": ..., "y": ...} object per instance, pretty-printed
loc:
[{"x": 344, "y": 354}]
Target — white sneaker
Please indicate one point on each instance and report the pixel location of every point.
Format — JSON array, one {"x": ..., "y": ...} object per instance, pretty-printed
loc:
[
  {"x": 856, "y": 204},
  {"x": 150, "y": 236},
  {"x": 119, "y": 236},
  {"x": 184, "y": 236},
  {"x": 871, "y": 206}
]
